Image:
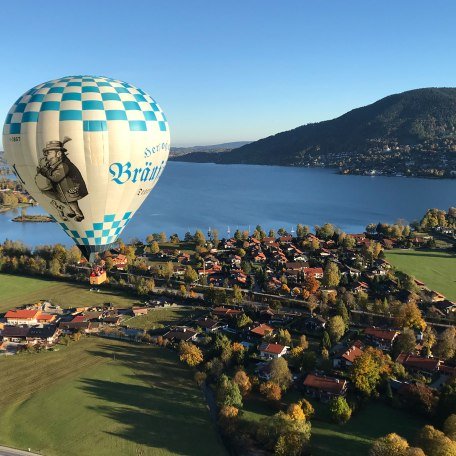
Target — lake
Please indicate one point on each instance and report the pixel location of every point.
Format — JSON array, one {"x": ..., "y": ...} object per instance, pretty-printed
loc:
[{"x": 193, "y": 195}]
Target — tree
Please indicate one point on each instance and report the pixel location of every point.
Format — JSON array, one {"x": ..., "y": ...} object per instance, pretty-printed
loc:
[
  {"x": 154, "y": 248},
  {"x": 280, "y": 373},
  {"x": 199, "y": 238},
  {"x": 340, "y": 410},
  {"x": 162, "y": 237},
  {"x": 336, "y": 328},
  {"x": 303, "y": 342},
  {"x": 331, "y": 276},
  {"x": 409, "y": 315},
  {"x": 243, "y": 382},
  {"x": 167, "y": 270},
  {"x": 343, "y": 312},
  {"x": 228, "y": 393},
  {"x": 190, "y": 354},
  {"x": 302, "y": 231},
  {"x": 295, "y": 412},
  {"x": 325, "y": 340},
  {"x": 311, "y": 284},
  {"x": 429, "y": 339},
  {"x": 449, "y": 426},
  {"x": 243, "y": 320},
  {"x": 145, "y": 286},
  {"x": 367, "y": 370},
  {"x": 405, "y": 342},
  {"x": 190, "y": 275},
  {"x": 419, "y": 398},
  {"x": 237, "y": 295},
  {"x": 271, "y": 390},
  {"x": 307, "y": 408},
  {"x": 390, "y": 445},
  {"x": 446, "y": 346},
  {"x": 435, "y": 442},
  {"x": 284, "y": 337}
]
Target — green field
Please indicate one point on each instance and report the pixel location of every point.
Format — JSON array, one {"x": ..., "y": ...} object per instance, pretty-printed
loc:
[
  {"x": 436, "y": 269},
  {"x": 16, "y": 291},
  {"x": 159, "y": 317},
  {"x": 352, "y": 439},
  {"x": 102, "y": 397}
]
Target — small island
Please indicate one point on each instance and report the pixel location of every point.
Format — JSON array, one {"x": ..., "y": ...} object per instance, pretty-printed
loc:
[{"x": 33, "y": 218}]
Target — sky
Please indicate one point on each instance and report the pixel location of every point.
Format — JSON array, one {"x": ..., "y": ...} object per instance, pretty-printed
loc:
[{"x": 238, "y": 70}]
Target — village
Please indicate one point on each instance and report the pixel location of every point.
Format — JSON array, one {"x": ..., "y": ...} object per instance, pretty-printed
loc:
[{"x": 323, "y": 314}]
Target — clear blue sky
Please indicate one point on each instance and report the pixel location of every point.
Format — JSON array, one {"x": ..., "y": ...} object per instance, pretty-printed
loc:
[{"x": 238, "y": 70}]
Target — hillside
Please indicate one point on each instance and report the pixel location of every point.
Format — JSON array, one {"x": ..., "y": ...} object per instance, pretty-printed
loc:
[
  {"x": 411, "y": 133},
  {"x": 215, "y": 148}
]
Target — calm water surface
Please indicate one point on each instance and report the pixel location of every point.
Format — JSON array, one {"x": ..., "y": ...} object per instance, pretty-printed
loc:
[{"x": 192, "y": 195}]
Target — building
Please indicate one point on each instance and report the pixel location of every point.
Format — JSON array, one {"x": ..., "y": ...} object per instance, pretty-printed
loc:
[
  {"x": 381, "y": 338},
  {"x": 419, "y": 364},
  {"x": 272, "y": 351},
  {"x": 347, "y": 358},
  {"x": 323, "y": 387},
  {"x": 210, "y": 325},
  {"x": 180, "y": 333},
  {"x": 22, "y": 317},
  {"x": 261, "y": 330}
]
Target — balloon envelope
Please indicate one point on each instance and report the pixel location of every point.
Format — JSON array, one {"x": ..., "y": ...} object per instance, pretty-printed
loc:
[{"x": 89, "y": 150}]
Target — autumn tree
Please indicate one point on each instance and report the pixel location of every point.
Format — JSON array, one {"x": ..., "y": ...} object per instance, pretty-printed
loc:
[
  {"x": 311, "y": 284},
  {"x": 449, "y": 427},
  {"x": 243, "y": 320},
  {"x": 446, "y": 345},
  {"x": 435, "y": 442},
  {"x": 307, "y": 408},
  {"x": 284, "y": 337},
  {"x": 331, "y": 276},
  {"x": 280, "y": 373},
  {"x": 190, "y": 275},
  {"x": 237, "y": 295},
  {"x": 190, "y": 354},
  {"x": 243, "y": 382},
  {"x": 368, "y": 370},
  {"x": 271, "y": 391},
  {"x": 336, "y": 328},
  {"x": 429, "y": 339},
  {"x": 409, "y": 315},
  {"x": 390, "y": 445},
  {"x": 154, "y": 248}
]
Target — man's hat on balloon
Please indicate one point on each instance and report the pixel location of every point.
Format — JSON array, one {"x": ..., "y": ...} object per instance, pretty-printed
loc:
[{"x": 57, "y": 145}]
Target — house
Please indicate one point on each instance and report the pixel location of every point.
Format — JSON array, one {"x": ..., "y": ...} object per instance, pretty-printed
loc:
[
  {"x": 45, "y": 335},
  {"x": 226, "y": 312},
  {"x": 419, "y": 364},
  {"x": 316, "y": 273},
  {"x": 381, "y": 338},
  {"x": 139, "y": 310},
  {"x": 120, "y": 261},
  {"x": 15, "y": 333},
  {"x": 323, "y": 387},
  {"x": 210, "y": 325},
  {"x": 347, "y": 357},
  {"x": 446, "y": 306},
  {"x": 272, "y": 351},
  {"x": 44, "y": 318},
  {"x": 22, "y": 317},
  {"x": 261, "y": 330},
  {"x": 180, "y": 333}
]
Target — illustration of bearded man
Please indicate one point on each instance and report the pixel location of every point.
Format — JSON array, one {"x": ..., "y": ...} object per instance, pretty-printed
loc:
[{"x": 58, "y": 178}]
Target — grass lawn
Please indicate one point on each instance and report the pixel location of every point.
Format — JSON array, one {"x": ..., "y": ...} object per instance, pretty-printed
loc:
[
  {"x": 352, "y": 439},
  {"x": 102, "y": 397},
  {"x": 157, "y": 317},
  {"x": 436, "y": 269},
  {"x": 16, "y": 291}
]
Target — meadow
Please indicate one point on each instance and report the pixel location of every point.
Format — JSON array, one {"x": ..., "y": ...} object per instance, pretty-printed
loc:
[
  {"x": 101, "y": 398},
  {"x": 17, "y": 291},
  {"x": 436, "y": 269}
]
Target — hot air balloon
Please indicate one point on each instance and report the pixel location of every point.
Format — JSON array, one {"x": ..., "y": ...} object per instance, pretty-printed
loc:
[{"x": 89, "y": 150}]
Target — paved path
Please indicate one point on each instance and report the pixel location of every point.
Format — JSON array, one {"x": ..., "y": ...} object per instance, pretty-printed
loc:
[{"x": 5, "y": 451}]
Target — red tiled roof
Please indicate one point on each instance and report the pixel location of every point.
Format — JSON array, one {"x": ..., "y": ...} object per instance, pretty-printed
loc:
[
  {"x": 352, "y": 353},
  {"x": 262, "y": 330},
  {"x": 383, "y": 334},
  {"x": 46, "y": 317},
  {"x": 22, "y": 314},
  {"x": 418, "y": 362},
  {"x": 275, "y": 349},
  {"x": 224, "y": 311},
  {"x": 328, "y": 384}
]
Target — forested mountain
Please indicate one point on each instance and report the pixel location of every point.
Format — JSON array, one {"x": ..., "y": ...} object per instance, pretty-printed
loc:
[{"x": 410, "y": 133}]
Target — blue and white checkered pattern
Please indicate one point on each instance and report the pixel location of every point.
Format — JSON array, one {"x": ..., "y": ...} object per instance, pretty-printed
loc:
[
  {"x": 102, "y": 233},
  {"x": 94, "y": 101}
]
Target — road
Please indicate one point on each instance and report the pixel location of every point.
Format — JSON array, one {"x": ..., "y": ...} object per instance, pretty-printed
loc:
[{"x": 5, "y": 451}]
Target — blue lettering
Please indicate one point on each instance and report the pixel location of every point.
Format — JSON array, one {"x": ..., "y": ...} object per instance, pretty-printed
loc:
[{"x": 120, "y": 173}]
